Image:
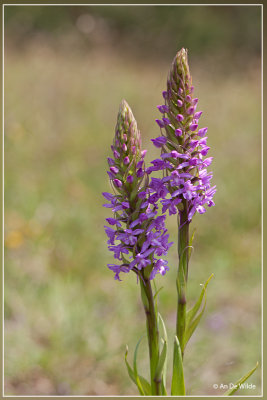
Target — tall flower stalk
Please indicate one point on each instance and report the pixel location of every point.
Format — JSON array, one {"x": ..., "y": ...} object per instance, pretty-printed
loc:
[
  {"x": 137, "y": 235},
  {"x": 183, "y": 149}
]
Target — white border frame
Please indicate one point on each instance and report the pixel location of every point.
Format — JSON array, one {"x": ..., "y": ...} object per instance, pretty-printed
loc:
[{"x": 125, "y": 5}]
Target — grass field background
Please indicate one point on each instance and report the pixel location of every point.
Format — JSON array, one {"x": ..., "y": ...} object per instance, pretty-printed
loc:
[{"x": 66, "y": 320}]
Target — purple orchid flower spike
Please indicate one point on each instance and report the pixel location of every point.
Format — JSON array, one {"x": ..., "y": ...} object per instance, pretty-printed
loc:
[
  {"x": 137, "y": 235},
  {"x": 182, "y": 139},
  {"x": 134, "y": 210},
  {"x": 186, "y": 186}
]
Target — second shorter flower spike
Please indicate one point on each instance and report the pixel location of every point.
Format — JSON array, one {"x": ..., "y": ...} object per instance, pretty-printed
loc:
[{"x": 138, "y": 235}]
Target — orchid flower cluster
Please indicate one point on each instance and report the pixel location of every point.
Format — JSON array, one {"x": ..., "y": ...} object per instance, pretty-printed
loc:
[
  {"x": 183, "y": 147},
  {"x": 140, "y": 231},
  {"x": 137, "y": 235}
]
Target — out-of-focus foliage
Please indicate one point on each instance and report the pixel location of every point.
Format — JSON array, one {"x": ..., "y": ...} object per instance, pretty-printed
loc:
[
  {"x": 153, "y": 31},
  {"x": 67, "y": 320}
]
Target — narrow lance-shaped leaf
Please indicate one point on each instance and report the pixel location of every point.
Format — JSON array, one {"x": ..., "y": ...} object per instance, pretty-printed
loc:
[
  {"x": 155, "y": 297},
  {"x": 230, "y": 392},
  {"x": 162, "y": 359},
  {"x": 181, "y": 308},
  {"x": 130, "y": 370},
  {"x": 159, "y": 318},
  {"x": 181, "y": 280},
  {"x": 157, "y": 292},
  {"x": 142, "y": 385},
  {"x": 190, "y": 247},
  {"x": 193, "y": 311},
  {"x": 138, "y": 382},
  {"x": 192, "y": 322},
  {"x": 164, "y": 371},
  {"x": 178, "y": 386}
]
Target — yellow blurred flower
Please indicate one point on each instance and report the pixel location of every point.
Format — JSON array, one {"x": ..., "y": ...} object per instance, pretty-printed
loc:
[{"x": 14, "y": 239}]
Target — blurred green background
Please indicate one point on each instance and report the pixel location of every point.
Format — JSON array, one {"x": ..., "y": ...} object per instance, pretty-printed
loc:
[{"x": 66, "y": 70}]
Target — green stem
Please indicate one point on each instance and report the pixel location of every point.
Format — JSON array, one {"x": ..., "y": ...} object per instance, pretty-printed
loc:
[
  {"x": 152, "y": 332},
  {"x": 182, "y": 274}
]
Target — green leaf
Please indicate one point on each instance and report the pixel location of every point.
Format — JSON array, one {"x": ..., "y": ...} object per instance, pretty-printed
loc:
[
  {"x": 146, "y": 386},
  {"x": 230, "y": 392},
  {"x": 192, "y": 320},
  {"x": 161, "y": 362},
  {"x": 130, "y": 371},
  {"x": 164, "y": 328},
  {"x": 190, "y": 247},
  {"x": 192, "y": 327},
  {"x": 164, "y": 371},
  {"x": 141, "y": 383},
  {"x": 163, "y": 389},
  {"x": 143, "y": 295},
  {"x": 155, "y": 296},
  {"x": 178, "y": 387},
  {"x": 157, "y": 292},
  {"x": 190, "y": 315},
  {"x": 181, "y": 280},
  {"x": 138, "y": 382}
]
